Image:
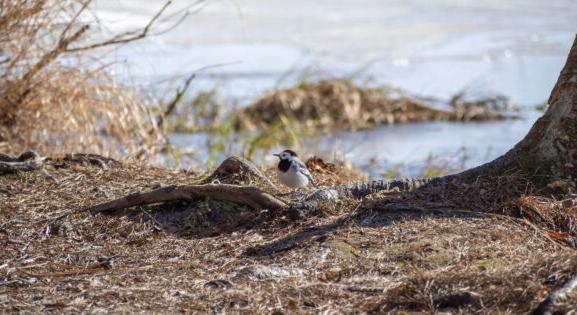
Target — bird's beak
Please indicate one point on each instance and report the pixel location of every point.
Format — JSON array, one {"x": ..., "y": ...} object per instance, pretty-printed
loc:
[{"x": 277, "y": 155}]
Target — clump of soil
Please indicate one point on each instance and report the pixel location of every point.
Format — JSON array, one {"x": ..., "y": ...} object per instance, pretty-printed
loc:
[{"x": 342, "y": 104}]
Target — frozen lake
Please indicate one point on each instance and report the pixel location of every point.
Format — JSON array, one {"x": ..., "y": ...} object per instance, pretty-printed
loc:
[{"x": 428, "y": 47}]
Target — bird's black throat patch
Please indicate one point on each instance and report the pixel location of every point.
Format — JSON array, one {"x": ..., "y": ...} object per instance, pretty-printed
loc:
[{"x": 284, "y": 165}]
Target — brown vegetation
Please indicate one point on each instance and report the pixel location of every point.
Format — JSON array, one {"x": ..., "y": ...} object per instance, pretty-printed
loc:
[
  {"x": 342, "y": 104},
  {"x": 394, "y": 252},
  {"x": 55, "y": 100},
  {"x": 487, "y": 240}
]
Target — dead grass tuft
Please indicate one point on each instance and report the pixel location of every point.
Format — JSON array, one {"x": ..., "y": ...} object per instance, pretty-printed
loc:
[
  {"x": 333, "y": 173},
  {"x": 54, "y": 101}
]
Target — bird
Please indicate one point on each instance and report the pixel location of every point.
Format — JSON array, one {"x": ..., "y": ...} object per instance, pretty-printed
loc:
[{"x": 292, "y": 172}]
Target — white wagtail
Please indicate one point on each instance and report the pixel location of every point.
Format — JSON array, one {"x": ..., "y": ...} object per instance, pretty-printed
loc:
[{"x": 292, "y": 171}]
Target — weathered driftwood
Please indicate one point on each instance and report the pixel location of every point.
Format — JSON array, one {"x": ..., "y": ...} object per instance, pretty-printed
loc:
[
  {"x": 250, "y": 196},
  {"x": 244, "y": 195},
  {"x": 27, "y": 161}
]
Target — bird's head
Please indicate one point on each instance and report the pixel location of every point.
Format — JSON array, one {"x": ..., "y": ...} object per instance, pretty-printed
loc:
[{"x": 286, "y": 155}]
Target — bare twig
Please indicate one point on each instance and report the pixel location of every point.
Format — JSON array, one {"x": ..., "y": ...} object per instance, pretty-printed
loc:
[
  {"x": 53, "y": 54},
  {"x": 74, "y": 18},
  {"x": 182, "y": 90},
  {"x": 176, "y": 99},
  {"x": 187, "y": 13},
  {"x": 126, "y": 37}
]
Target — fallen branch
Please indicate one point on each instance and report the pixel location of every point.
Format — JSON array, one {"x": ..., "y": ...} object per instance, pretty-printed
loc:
[
  {"x": 250, "y": 196},
  {"x": 245, "y": 195}
]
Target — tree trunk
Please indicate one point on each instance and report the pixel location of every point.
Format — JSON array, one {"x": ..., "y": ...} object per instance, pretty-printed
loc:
[{"x": 548, "y": 153}]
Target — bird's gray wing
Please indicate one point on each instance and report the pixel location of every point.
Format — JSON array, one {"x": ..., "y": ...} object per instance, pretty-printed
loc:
[{"x": 302, "y": 168}]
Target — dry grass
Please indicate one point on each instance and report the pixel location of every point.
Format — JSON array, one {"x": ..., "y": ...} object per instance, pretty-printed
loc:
[
  {"x": 342, "y": 104},
  {"x": 164, "y": 259},
  {"x": 55, "y": 101}
]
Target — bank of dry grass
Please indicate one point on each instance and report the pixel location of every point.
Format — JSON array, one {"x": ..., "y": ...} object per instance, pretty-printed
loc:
[{"x": 369, "y": 258}]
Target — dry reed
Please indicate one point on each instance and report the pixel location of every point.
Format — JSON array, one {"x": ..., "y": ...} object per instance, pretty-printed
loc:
[{"x": 57, "y": 101}]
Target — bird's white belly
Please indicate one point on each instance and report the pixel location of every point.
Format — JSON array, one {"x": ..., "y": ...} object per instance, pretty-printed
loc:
[{"x": 293, "y": 179}]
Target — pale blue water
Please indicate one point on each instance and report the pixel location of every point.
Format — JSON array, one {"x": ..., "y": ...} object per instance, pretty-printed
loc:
[{"x": 428, "y": 47}]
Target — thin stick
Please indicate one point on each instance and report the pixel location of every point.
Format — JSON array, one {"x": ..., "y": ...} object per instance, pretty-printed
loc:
[{"x": 124, "y": 37}]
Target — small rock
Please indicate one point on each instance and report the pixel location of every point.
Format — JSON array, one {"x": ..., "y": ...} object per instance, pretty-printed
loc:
[
  {"x": 157, "y": 185},
  {"x": 262, "y": 272},
  {"x": 568, "y": 203},
  {"x": 323, "y": 195},
  {"x": 218, "y": 284},
  {"x": 101, "y": 192}
]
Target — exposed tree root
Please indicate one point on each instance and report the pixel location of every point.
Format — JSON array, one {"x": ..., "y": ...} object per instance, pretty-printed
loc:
[
  {"x": 27, "y": 161},
  {"x": 359, "y": 190},
  {"x": 94, "y": 159},
  {"x": 250, "y": 196},
  {"x": 559, "y": 295}
]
